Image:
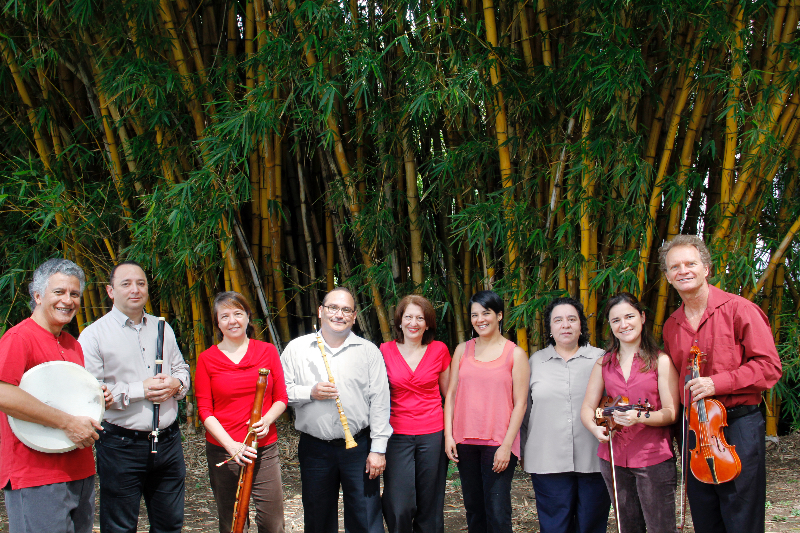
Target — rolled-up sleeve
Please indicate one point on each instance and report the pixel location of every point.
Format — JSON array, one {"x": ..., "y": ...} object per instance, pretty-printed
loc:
[
  {"x": 177, "y": 366},
  {"x": 296, "y": 392},
  {"x": 122, "y": 393}
]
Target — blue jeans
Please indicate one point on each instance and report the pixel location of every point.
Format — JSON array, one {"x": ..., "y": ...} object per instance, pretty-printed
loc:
[
  {"x": 323, "y": 467},
  {"x": 128, "y": 471},
  {"x": 571, "y": 502},
  {"x": 487, "y": 494}
]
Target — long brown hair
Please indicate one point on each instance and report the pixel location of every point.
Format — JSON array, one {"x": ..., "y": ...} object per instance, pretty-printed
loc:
[{"x": 648, "y": 348}]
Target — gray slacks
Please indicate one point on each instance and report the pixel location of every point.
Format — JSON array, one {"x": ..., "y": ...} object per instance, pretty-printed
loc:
[{"x": 58, "y": 508}]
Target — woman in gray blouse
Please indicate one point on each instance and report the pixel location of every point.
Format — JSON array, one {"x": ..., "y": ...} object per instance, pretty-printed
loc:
[{"x": 559, "y": 453}]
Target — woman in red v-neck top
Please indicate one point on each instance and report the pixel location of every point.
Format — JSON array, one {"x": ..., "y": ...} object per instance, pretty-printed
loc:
[
  {"x": 645, "y": 472},
  {"x": 225, "y": 387},
  {"x": 416, "y": 466}
]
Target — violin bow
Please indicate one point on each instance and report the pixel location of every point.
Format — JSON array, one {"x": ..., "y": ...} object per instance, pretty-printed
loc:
[
  {"x": 684, "y": 447},
  {"x": 614, "y": 478}
]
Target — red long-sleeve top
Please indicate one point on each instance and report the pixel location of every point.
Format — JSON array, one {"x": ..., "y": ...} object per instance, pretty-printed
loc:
[
  {"x": 734, "y": 333},
  {"x": 226, "y": 390}
]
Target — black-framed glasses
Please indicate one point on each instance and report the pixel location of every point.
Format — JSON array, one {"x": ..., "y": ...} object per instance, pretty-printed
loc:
[{"x": 333, "y": 309}]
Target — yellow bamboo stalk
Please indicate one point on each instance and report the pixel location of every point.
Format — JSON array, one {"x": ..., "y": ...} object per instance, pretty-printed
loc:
[
  {"x": 585, "y": 223},
  {"x": 685, "y": 87},
  {"x": 700, "y": 109},
  {"x": 525, "y": 34},
  {"x": 501, "y": 132},
  {"x": 768, "y": 121},
  {"x": 352, "y": 193},
  {"x": 544, "y": 27},
  {"x": 275, "y": 235},
  {"x": 776, "y": 258},
  {"x": 729, "y": 155}
]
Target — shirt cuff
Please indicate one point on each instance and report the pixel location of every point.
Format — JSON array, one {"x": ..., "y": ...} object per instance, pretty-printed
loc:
[
  {"x": 722, "y": 384},
  {"x": 300, "y": 394},
  {"x": 136, "y": 391},
  {"x": 181, "y": 395},
  {"x": 378, "y": 444}
]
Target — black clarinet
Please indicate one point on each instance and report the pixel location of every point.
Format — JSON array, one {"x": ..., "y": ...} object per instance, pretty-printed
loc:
[{"x": 159, "y": 361}]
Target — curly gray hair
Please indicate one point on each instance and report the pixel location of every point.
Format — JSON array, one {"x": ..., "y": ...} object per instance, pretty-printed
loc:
[
  {"x": 684, "y": 240},
  {"x": 41, "y": 276}
]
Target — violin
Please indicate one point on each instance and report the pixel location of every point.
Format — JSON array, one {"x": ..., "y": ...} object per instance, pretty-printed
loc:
[
  {"x": 604, "y": 414},
  {"x": 712, "y": 460}
]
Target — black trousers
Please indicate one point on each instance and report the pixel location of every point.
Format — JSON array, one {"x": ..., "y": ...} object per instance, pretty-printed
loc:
[
  {"x": 414, "y": 483},
  {"x": 737, "y": 506},
  {"x": 323, "y": 468},
  {"x": 128, "y": 471},
  {"x": 487, "y": 494}
]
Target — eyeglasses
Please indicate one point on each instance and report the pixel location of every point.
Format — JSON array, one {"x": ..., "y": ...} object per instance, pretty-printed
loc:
[{"x": 333, "y": 309}]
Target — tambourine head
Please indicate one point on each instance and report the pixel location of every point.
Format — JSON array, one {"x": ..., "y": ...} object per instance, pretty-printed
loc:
[{"x": 65, "y": 386}]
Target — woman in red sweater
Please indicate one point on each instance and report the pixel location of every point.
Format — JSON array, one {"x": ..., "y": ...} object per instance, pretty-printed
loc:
[{"x": 225, "y": 387}]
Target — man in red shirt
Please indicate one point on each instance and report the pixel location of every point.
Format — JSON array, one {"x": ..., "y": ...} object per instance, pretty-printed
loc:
[
  {"x": 52, "y": 492},
  {"x": 741, "y": 362}
]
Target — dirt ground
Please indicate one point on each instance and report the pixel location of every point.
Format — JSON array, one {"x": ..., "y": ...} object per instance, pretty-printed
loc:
[{"x": 783, "y": 491}]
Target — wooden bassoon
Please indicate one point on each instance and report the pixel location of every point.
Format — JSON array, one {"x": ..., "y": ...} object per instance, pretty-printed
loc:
[{"x": 245, "y": 485}]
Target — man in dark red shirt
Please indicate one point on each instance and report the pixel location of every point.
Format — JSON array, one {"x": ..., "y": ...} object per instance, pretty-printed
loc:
[
  {"x": 741, "y": 363},
  {"x": 52, "y": 492}
]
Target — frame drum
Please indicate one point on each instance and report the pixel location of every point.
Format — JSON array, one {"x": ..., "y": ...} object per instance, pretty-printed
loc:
[{"x": 65, "y": 386}]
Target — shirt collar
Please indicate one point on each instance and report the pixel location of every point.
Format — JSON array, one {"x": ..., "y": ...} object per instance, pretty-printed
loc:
[
  {"x": 124, "y": 320},
  {"x": 351, "y": 340},
  {"x": 716, "y": 298},
  {"x": 551, "y": 353}
]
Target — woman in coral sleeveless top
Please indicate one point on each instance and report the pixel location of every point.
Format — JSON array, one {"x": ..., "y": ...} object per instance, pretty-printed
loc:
[{"x": 484, "y": 407}]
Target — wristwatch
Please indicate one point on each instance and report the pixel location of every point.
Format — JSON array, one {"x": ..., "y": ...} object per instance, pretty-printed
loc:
[{"x": 181, "y": 389}]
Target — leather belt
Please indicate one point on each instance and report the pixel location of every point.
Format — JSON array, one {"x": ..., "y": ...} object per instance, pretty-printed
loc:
[
  {"x": 138, "y": 434},
  {"x": 740, "y": 411},
  {"x": 340, "y": 443}
]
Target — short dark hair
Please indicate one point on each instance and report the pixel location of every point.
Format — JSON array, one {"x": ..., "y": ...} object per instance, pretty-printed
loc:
[
  {"x": 340, "y": 288},
  {"x": 648, "y": 348},
  {"x": 427, "y": 311},
  {"x": 233, "y": 300},
  {"x": 488, "y": 300},
  {"x": 583, "y": 339},
  {"x": 114, "y": 270},
  {"x": 684, "y": 240}
]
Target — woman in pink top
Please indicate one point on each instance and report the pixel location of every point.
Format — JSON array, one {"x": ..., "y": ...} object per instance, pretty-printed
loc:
[
  {"x": 225, "y": 385},
  {"x": 416, "y": 466},
  {"x": 645, "y": 466},
  {"x": 483, "y": 411}
]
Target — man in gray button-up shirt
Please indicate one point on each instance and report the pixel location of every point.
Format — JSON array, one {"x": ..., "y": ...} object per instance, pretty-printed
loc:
[
  {"x": 119, "y": 350},
  {"x": 363, "y": 388}
]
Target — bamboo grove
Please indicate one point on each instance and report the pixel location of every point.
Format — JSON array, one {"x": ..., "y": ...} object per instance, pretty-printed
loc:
[{"x": 281, "y": 147}]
